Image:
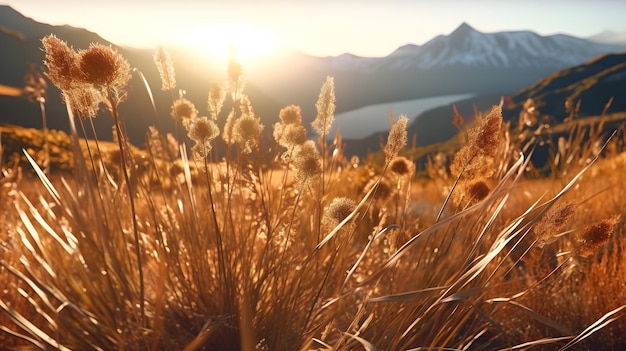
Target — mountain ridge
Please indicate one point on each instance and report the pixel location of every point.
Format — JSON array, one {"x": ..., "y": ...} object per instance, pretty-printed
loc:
[{"x": 465, "y": 61}]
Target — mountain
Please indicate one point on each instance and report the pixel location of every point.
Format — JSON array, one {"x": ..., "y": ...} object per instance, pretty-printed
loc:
[
  {"x": 609, "y": 37},
  {"x": 464, "y": 62},
  {"x": 592, "y": 85}
]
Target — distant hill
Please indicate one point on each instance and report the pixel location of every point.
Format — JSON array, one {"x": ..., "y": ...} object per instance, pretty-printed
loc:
[
  {"x": 464, "y": 62},
  {"x": 592, "y": 84}
]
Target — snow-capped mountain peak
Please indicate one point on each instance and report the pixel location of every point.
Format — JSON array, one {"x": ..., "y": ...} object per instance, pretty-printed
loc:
[{"x": 524, "y": 49}]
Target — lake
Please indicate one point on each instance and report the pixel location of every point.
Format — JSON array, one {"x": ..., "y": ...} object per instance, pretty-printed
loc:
[{"x": 364, "y": 121}]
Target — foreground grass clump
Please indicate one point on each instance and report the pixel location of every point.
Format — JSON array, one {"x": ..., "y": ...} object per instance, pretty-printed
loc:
[{"x": 208, "y": 247}]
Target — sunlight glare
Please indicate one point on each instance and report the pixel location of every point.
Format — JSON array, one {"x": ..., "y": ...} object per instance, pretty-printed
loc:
[{"x": 250, "y": 43}]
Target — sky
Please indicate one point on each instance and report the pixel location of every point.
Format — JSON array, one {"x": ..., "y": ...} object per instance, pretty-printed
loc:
[{"x": 321, "y": 27}]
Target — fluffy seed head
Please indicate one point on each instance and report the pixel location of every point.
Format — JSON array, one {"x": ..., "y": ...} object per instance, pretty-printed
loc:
[
  {"x": 401, "y": 166},
  {"x": 217, "y": 95},
  {"x": 291, "y": 114},
  {"x": 596, "y": 235},
  {"x": 478, "y": 191},
  {"x": 397, "y": 138},
  {"x": 203, "y": 130},
  {"x": 84, "y": 101},
  {"x": 165, "y": 66},
  {"x": 246, "y": 131},
  {"x": 102, "y": 65},
  {"x": 338, "y": 210},
  {"x": 325, "y": 108},
  {"x": 476, "y": 159},
  {"x": 553, "y": 222},
  {"x": 60, "y": 60},
  {"x": 486, "y": 137},
  {"x": 307, "y": 161},
  {"x": 289, "y": 135},
  {"x": 183, "y": 109}
]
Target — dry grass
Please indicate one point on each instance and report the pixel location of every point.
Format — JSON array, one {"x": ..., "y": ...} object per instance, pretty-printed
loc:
[{"x": 209, "y": 247}]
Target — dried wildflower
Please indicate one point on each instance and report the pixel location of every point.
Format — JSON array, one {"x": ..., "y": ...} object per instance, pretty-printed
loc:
[
  {"x": 183, "y": 110},
  {"x": 383, "y": 190},
  {"x": 397, "y": 138},
  {"x": 217, "y": 95},
  {"x": 246, "y": 131},
  {"x": 84, "y": 101},
  {"x": 291, "y": 114},
  {"x": 596, "y": 235},
  {"x": 325, "y": 108},
  {"x": 289, "y": 135},
  {"x": 201, "y": 151},
  {"x": 486, "y": 137},
  {"x": 203, "y": 130},
  {"x": 552, "y": 222},
  {"x": 477, "y": 191},
  {"x": 401, "y": 166},
  {"x": 307, "y": 161},
  {"x": 60, "y": 60},
  {"x": 165, "y": 66},
  {"x": 477, "y": 157},
  {"x": 102, "y": 65},
  {"x": 338, "y": 210}
]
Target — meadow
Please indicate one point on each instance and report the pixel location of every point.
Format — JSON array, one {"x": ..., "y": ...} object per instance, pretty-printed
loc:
[{"x": 233, "y": 235}]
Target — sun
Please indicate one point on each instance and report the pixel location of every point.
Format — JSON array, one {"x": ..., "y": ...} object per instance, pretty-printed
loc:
[{"x": 220, "y": 40}]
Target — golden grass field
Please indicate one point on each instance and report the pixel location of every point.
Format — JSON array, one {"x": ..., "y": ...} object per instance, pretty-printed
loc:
[{"x": 223, "y": 239}]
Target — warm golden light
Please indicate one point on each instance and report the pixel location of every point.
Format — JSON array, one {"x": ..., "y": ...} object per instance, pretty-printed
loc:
[{"x": 250, "y": 43}]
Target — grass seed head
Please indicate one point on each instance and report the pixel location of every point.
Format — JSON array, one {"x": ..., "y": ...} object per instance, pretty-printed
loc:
[
  {"x": 307, "y": 161},
  {"x": 338, "y": 210},
  {"x": 61, "y": 61},
  {"x": 165, "y": 66},
  {"x": 247, "y": 130},
  {"x": 291, "y": 114},
  {"x": 596, "y": 235},
  {"x": 84, "y": 100},
  {"x": 325, "y": 108},
  {"x": 203, "y": 130},
  {"x": 183, "y": 110},
  {"x": 102, "y": 65},
  {"x": 401, "y": 166},
  {"x": 217, "y": 95},
  {"x": 553, "y": 222},
  {"x": 397, "y": 138}
]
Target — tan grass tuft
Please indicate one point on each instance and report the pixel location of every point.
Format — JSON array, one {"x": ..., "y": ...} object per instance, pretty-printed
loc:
[
  {"x": 476, "y": 159},
  {"x": 397, "y": 138},
  {"x": 553, "y": 222},
  {"x": 60, "y": 60},
  {"x": 325, "y": 108},
  {"x": 596, "y": 235},
  {"x": 165, "y": 66}
]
